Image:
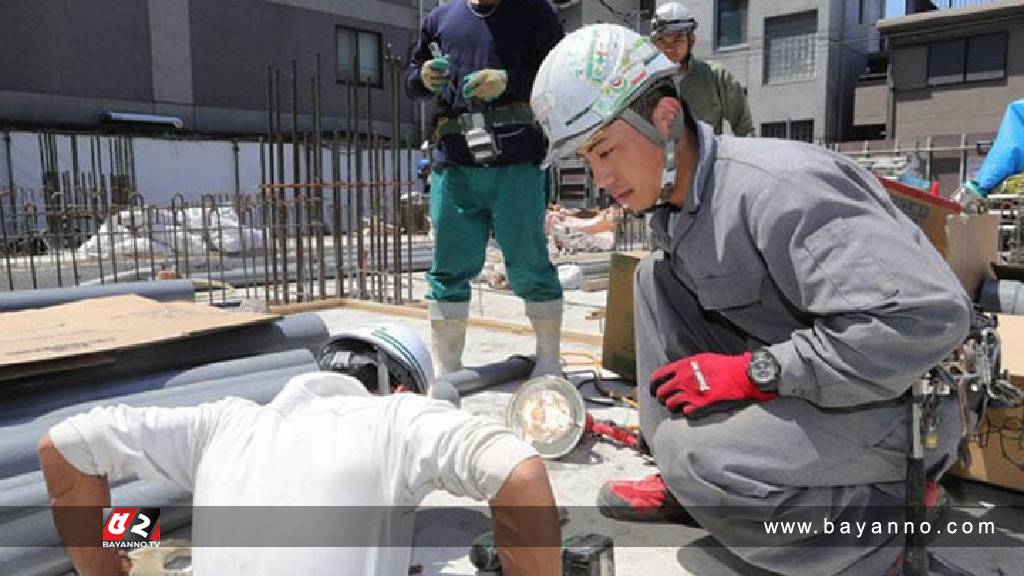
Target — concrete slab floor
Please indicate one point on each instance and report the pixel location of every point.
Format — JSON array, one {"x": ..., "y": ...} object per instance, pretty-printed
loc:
[{"x": 577, "y": 478}]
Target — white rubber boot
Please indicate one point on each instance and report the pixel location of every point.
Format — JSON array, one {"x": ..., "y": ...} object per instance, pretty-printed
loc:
[
  {"x": 448, "y": 334},
  {"x": 546, "y": 318}
]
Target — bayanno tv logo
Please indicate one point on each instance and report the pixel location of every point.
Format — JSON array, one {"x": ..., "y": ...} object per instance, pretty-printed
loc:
[{"x": 132, "y": 528}]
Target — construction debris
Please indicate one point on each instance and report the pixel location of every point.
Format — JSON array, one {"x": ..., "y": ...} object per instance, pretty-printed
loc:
[{"x": 576, "y": 230}]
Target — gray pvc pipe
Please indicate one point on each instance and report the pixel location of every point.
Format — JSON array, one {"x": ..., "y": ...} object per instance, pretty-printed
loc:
[
  {"x": 163, "y": 290},
  {"x": 478, "y": 378},
  {"x": 1005, "y": 296},
  {"x": 30, "y": 545},
  {"x": 296, "y": 331},
  {"x": 45, "y": 395},
  {"x": 18, "y": 442}
]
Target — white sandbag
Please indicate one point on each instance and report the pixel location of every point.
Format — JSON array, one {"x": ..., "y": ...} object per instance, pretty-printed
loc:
[
  {"x": 230, "y": 240},
  {"x": 570, "y": 276}
]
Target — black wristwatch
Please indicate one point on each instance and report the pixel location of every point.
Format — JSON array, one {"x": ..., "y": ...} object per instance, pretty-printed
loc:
[{"x": 764, "y": 370}]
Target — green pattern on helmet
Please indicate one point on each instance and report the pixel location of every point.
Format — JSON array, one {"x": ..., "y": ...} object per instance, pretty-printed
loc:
[{"x": 402, "y": 350}]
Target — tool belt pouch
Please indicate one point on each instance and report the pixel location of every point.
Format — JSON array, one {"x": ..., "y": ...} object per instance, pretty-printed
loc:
[
  {"x": 479, "y": 139},
  {"x": 477, "y": 128}
]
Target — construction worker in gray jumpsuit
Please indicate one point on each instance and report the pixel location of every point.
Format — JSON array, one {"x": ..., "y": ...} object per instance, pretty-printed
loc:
[{"x": 786, "y": 310}]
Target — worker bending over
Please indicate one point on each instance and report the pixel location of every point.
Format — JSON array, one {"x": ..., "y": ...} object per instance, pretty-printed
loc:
[
  {"x": 325, "y": 441},
  {"x": 786, "y": 310}
]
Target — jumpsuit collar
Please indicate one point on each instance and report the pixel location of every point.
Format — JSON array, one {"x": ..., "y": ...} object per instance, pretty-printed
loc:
[{"x": 662, "y": 236}]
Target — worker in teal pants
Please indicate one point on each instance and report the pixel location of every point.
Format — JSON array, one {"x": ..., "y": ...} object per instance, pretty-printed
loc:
[{"x": 477, "y": 60}]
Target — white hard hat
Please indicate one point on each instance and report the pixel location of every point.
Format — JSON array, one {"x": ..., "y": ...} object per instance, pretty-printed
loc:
[
  {"x": 355, "y": 351},
  {"x": 588, "y": 79},
  {"x": 671, "y": 17}
]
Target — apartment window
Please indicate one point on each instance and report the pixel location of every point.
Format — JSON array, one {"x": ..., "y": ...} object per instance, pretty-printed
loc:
[
  {"x": 967, "y": 59},
  {"x": 802, "y": 130},
  {"x": 946, "y": 62},
  {"x": 986, "y": 57},
  {"x": 730, "y": 23},
  {"x": 359, "y": 48},
  {"x": 789, "y": 47},
  {"x": 773, "y": 130}
]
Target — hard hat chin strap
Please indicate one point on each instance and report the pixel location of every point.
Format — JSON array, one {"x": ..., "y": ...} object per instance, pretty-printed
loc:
[{"x": 668, "y": 172}]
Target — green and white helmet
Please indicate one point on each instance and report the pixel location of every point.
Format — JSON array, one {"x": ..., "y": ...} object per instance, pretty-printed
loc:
[
  {"x": 359, "y": 351},
  {"x": 591, "y": 78}
]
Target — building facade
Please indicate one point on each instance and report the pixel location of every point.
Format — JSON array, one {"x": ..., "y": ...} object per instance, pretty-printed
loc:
[
  {"x": 205, "y": 63},
  {"x": 798, "y": 59},
  {"x": 953, "y": 71}
]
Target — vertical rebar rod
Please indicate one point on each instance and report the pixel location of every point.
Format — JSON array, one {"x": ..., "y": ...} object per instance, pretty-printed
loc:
[
  {"x": 318, "y": 163},
  {"x": 339, "y": 262},
  {"x": 309, "y": 202},
  {"x": 297, "y": 191},
  {"x": 358, "y": 216},
  {"x": 280, "y": 195},
  {"x": 409, "y": 224},
  {"x": 13, "y": 201},
  {"x": 351, "y": 114},
  {"x": 13, "y": 210},
  {"x": 396, "y": 177},
  {"x": 266, "y": 198},
  {"x": 265, "y": 178},
  {"x": 371, "y": 158},
  {"x": 238, "y": 177}
]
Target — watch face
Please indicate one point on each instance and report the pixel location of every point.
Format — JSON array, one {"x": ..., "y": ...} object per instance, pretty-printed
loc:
[{"x": 763, "y": 368}]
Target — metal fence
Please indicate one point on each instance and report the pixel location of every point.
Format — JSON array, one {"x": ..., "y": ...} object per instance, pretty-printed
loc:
[
  {"x": 946, "y": 159},
  {"x": 267, "y": 247},
  {"x": 344, "y": 220}
]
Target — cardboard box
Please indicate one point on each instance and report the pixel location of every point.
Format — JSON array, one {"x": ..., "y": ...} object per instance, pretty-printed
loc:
[
  {"x": 972, "y": 245},
  {"x": 927, "y": 211},
  {"x": 618, "y": 350},
  {"x": 85, "y": 333},
  {"x": 998, "y": 456}
]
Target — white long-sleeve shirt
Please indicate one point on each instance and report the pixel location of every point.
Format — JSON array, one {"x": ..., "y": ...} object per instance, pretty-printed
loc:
[{"x": 322, "y": 443}]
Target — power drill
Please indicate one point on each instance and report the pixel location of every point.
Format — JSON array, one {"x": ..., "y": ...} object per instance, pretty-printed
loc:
[{"x": 582, "y": 555}]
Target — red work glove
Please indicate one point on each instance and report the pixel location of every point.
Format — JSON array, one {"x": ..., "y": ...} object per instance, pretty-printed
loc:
[{"x": 697, "y": 382}]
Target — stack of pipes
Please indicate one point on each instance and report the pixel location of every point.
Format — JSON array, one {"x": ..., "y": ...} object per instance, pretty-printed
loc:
[{"x": 251, "y": 362}]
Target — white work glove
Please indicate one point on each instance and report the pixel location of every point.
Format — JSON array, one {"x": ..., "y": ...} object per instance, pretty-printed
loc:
[
  {"x": 153, "y": 561},
  {"x": 970, "y": 198},
  {"x": 434, "y": 73},
  {"x": 486, "y": 84}
]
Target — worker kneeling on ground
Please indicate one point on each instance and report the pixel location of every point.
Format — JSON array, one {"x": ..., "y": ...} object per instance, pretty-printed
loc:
[
  {"x": 326, "y": 443},
  {"x": 785, "y": 312}
]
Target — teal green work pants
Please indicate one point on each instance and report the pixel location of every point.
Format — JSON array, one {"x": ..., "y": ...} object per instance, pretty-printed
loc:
[{"x": 466, "y": 203}]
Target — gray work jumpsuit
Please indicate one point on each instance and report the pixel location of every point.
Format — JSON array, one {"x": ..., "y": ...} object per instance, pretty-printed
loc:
[{"x": 792, "y": 247}]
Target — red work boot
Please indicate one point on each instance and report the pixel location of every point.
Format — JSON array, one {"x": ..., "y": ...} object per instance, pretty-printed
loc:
[{"x": 647, "y": 500}]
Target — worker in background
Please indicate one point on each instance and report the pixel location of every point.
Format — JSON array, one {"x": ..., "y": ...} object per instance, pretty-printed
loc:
[
  {"x": 481, "y": 56},
  {"x": 325, "y": 441},
  {"x": 780, "y": 321},
  {"x": 1004, "y": 159},
  {"x": 711, "y": 91},
  {"x": 423, "y": 167}
]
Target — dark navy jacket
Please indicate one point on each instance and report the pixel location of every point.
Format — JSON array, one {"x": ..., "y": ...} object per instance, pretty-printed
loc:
[{"x": 515, "y": 37}]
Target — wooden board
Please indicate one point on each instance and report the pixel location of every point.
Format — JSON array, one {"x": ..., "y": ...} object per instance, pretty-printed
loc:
[{"x": 85, "y": 332}]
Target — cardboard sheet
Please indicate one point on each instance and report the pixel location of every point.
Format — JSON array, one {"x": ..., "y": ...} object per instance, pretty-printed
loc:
[
  {"x": 618, "y": 352},
  {"x": 81, "y": 333},
  {"x": 972, "y": 245}
]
